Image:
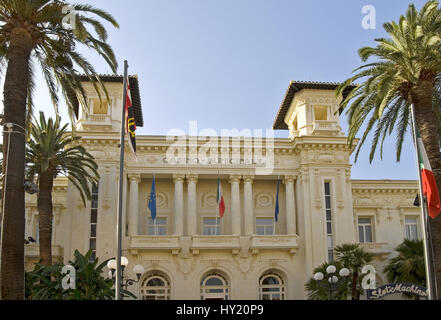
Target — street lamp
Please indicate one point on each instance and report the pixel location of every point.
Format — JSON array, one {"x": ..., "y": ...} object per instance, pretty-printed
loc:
[
  {"x": 125, "y": 283},
  {"x": 333, "y": 281}
]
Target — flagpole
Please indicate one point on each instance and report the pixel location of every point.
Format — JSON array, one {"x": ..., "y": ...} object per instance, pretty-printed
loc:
[
  {"x": 121, "y": 186},
  {"x": 217, "y": 203},
  {"x": 427, "y": 240}
]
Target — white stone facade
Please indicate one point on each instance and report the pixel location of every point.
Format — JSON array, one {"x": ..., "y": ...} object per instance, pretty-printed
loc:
[{"x": 241, "y": 259}]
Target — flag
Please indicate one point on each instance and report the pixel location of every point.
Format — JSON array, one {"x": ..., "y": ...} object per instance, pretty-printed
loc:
[
  {"x": 220, "y": 199},
  {"x": 430, "y": 188},
  {"x": 130, "y": 120},
  {"x": 152, "y": 200},
  {"x": 276, "y": 214}
]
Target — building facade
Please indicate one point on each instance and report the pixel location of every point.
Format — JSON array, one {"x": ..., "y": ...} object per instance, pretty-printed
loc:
[{"x": 187, "y": 251}]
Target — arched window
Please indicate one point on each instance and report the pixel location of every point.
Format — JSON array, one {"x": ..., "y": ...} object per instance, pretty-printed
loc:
[
  {"x": 155, "y": 287},
  {"x": 271, "y": 287},
  {"x": 214, "y": 286}
]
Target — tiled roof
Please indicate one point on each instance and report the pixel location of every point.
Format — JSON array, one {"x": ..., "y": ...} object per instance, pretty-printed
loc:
[
  {"x": 296, "y": 86},
  {"x": 134, "y": 90}
]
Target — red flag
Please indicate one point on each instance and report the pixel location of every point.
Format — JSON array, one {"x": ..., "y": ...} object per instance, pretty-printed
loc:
[{"x": 430, "y": 188}]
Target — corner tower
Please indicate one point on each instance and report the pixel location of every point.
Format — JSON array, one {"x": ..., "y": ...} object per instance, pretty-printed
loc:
[
  {"x": 105, "y": 115},
  {"x": 323, "y": 190},
  {"x": 310, "y": 109}
]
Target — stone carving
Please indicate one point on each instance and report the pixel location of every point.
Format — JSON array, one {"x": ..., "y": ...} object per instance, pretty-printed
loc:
[
  {"x": 162, "y": 200},
  {"x": 208, "y": 200},
  {"x": 264, "y": 200},
  {"x": 244, "y": 264},
  {"x": 185, "y": 264}
]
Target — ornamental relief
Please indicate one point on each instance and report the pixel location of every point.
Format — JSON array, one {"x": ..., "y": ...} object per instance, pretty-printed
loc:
[
  {"x": 208, "y": 200},
  {"x": 161, "y": 200},
  {"x": 263, "y": 200}
]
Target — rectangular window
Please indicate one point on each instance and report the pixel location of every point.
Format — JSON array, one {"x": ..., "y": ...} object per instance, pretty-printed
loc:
[
  {"x": 264, "y": 226},
  {"x": 329, "y": 226},
  {"x": 365, "y": 230},
  {"x": 321, "y": 113},
  {"x": 211, "y": 226},
  {"x": 93, "y": 221},
  {"x": 411, "y": 229},
  {"x": 100, "y": 107},
  {"x": 157, "y": 227}
]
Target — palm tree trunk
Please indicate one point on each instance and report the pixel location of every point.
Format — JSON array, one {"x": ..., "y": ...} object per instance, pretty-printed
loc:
[
  {"x": 355, "y": 295},
  {"x": 13, "y": 228},
  {"x": 427, "y": 125},
  {"x": 46, "y": 182}
]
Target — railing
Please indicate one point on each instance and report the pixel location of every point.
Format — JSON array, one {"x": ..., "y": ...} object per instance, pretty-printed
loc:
[
  {"x": 205, "y": 242},
  {"x": 326, "y": 126},
  {"x": 32, "y": 250}
]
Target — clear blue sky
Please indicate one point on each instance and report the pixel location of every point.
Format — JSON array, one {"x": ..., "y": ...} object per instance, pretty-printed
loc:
[{"x": 228, "y": 63}]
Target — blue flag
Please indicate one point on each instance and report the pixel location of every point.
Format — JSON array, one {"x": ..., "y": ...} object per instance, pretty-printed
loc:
[
  {"x": 152, "y": 200},
  {"x": 276, "y": 216}
]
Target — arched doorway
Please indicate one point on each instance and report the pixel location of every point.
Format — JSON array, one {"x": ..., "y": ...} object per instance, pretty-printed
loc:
[
  {"x": 272, "y": 286},
  {"x": 155, "y": 286},
  {"x": 214, "y": 286}
]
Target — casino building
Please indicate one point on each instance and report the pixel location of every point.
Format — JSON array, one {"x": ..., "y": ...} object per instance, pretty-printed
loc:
[{"x": 187, "y": 253}]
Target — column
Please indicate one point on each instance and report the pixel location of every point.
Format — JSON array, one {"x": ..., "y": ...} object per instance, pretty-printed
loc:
[
  {"x": 134, "y": 179},
  {"x": 235, "y": 204},
  {"x": 248, "y": 205},
  {"x": 290, "y": 205},
  {"x": 178, "y": 218},
  {"x": 192, "y": 180}
]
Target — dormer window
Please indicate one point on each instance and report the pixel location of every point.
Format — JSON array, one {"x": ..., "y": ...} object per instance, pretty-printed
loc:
[
  {"x": 100, "y": 107},
  {"x": 320, "y": 113}
]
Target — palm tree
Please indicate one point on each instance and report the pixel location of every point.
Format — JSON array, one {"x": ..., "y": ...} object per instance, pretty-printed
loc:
[
  {"x": 406, "y": 70},
  {"x": 321, "y": 290},
  {"x": 354, "y": 257},
  {"x": 49, "y": 153},
  {"x": 43, "y": 283},
  {"x": 408, "y": 266},
  {"x": 32, "y": 35}
]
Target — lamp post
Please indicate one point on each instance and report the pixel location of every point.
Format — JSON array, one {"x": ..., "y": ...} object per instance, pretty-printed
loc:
[
  {"x": 333, "y": 281},
  {"x": 125, "y": 282}
]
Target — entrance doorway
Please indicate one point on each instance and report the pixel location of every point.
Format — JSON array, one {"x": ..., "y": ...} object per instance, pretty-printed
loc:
[{"x": 214, "y": 286}]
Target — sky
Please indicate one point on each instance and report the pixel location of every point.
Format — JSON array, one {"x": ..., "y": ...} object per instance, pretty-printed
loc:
[{"x": 227, "y": 64}]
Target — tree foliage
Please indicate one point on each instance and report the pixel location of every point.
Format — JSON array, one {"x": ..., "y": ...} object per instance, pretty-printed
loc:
[
  {"x": 406, "y": 67},
  {"x": 51, "y": 149},
  {"x": 45, "y": 282}
]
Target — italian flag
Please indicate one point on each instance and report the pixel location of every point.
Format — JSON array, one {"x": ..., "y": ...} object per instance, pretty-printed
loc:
[
  {"x": 430, "y": 188},
  {"x": 220, "y": 199}
]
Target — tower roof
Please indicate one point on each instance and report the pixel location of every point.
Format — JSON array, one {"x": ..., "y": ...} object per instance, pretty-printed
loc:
[
  {"x": 134, "y": 91},
  {"x": 296, "y": 86}
]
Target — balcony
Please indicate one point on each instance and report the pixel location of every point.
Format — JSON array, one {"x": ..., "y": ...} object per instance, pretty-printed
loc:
[
  {"x": 227, "y": 242},
  {"x": 143, "y": 243},
  {"x": 288, "y": 242},
  {"x": 322, "y": 127},
  {"x": 33, "y": 251},
  {"x": 197, "y": 243}
]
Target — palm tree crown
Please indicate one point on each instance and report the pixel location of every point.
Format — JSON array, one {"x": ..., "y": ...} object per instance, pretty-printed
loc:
[
  {"x": 52, "y": 152},
  {"x": 407, "y": 70},
  {"x": 408, "y": 265},
  {"x": 53, "y": 47}
]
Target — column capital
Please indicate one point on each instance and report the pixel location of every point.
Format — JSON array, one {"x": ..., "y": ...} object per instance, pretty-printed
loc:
[
  {"x": 248, "y": 178},
  {"x": 235, "y": 178},
  {"x": 134, "y": 177},
  {"x": 192, "y": 178},
  {"x": 178, "y": 177},
  {"x": 289, "y": 179}
]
